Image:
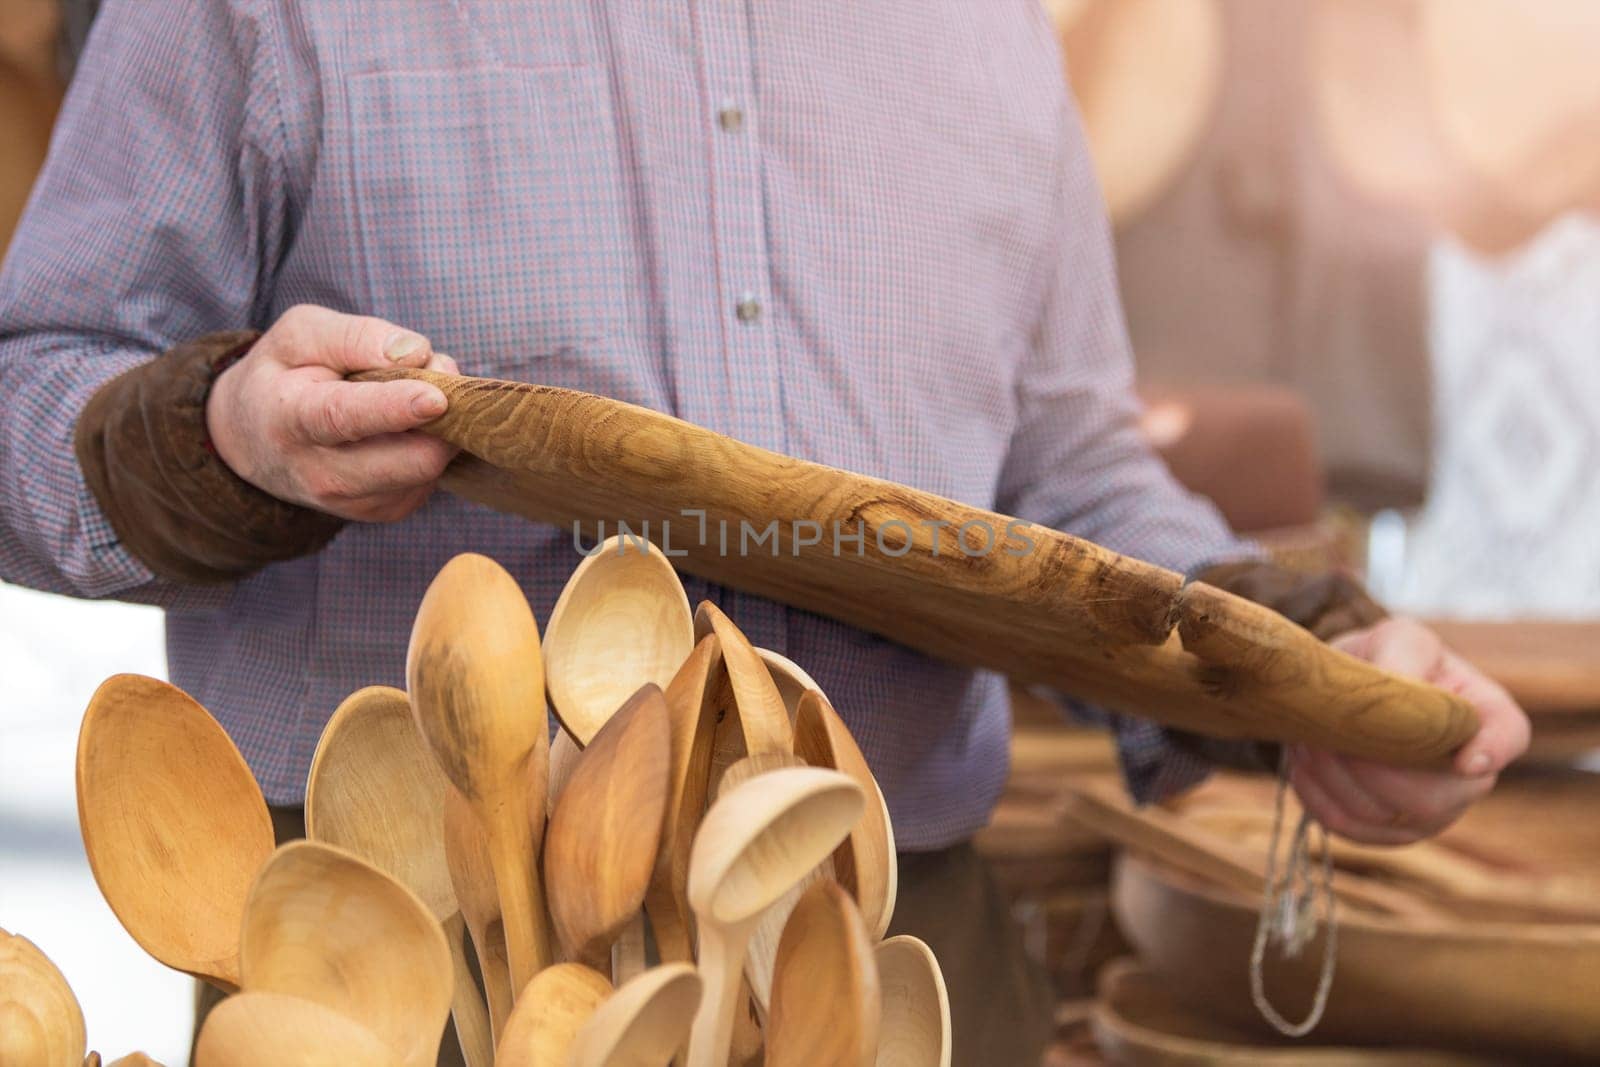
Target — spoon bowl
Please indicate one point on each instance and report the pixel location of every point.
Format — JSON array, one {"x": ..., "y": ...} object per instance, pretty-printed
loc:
[
  {"x": 755, "y": 842},
  {"x": 549, "y": 1014},
  {"x": 375, "y": 789},
  {"x": 274, "y": 1029},
  {"x": 323, "y": 925},
  {"x": 40, "y": 1020},
  {"x": 173, "y": 851},
  {"x": 622, "y": 621},
  {"x": 476, "y": 680},
  {"x": 915, "y": 1031},
  {"x": 825, "y": 996},
  {"x": 644, "y": 1023}
]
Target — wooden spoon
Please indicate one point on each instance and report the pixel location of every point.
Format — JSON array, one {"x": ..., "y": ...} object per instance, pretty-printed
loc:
[
  {"x": 755, "y": 842},
  {"x": 466, "y": 854},
  {"x": 41, "y": 1024},
  {"x": 644, "y": 1023},
  {"x": 602, "y": 843},
  {"x": 172, "y": 849},
  {"x": 477, "y": 687},
  {"x": 564, "y": 753},
  {"x": 763, "y": 717},
  {"x": 915, "y": 1031},
  {"x": 549, "y": 1013},
  {"x": 621, "y": 621},
  {"x": 825, "y": 997},
  {"x": 865, "y": 864},
  {"x": 691, "y": 711},
  {"x": 323, "y": 925},
  {"x": 275, "y": 1029},
  {"x": 376, "y": 790},
  {"x": 792, "y": 681}
]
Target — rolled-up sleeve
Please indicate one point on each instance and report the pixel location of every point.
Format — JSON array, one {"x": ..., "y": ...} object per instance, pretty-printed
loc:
[
  {"x": 158, "y": 217},
  {"x": 1078, "y": 461}
]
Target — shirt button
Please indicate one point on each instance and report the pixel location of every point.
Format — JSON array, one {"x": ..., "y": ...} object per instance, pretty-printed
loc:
[
  {"x": 730, "y": 118},
  {"x": 748, "y": 309}
]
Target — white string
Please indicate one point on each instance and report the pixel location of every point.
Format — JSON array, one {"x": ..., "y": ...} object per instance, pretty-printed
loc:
[{"x": 1288, "y": 914}]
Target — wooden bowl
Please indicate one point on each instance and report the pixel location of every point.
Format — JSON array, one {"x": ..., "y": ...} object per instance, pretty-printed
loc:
[{"x": 1521, "y": 989}]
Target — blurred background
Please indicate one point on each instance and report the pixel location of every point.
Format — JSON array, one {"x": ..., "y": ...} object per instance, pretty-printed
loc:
[{"x": 1359, "y": 244}]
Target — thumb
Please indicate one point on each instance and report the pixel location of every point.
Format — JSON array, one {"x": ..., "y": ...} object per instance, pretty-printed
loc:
[{"x": 320, "y": 337}]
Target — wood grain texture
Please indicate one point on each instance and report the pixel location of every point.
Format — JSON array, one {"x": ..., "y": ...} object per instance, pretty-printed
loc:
[
  {"x": 1521, "y": 990},
  {"x": 326, "y": 926},
  {"x": 825, "y": 998},
  {"x": 1260, "y": 662},
  {"x": 763, "y": 715},
  {"x": 1041, "y": 606},
  {"x": 41, "y": 1022},
  {"x": 173, "y": 851},
  {"x": 601, "y": 846}
]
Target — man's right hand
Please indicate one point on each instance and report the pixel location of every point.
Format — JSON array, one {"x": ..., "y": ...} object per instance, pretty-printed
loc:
[{"x": 285, "y": 420}]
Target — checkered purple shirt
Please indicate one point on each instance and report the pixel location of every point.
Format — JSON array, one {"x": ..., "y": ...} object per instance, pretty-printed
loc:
[{"x": 866, "y": 234}]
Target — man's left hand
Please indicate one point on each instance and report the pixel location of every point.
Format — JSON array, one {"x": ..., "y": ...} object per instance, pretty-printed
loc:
[{"x": 1379, "y": 804}]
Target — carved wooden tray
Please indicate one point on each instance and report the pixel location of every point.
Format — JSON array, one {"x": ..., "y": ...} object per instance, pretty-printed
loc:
[{"x": 1040, "y": 606}]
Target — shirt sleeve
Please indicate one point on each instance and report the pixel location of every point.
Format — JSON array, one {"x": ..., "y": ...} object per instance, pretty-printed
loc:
[
  {"x": 157, "y": 218},
  {"x": 1078, "y": 462}
]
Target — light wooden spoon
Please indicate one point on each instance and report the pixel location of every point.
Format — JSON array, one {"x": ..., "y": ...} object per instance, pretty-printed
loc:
[
  {"x": 564, "y": 753},
  {"x": 792, "y": 681},
  {"x": 172, "y": 849},
  {"x": 622, "y": 621},
  {"x": 466, "y": 854},
  {"x": 323, "y": 925},
  {"x": 275, "y": 1029},
  {"x": 548, "y": 1015},
  {"x": 477, "y": 689},
  {"x": 691, "y": 711},
  {"x": 376, "y": 790},
  {"x": 763, "y": 717},
  {"x": 755, "y": 842},
  {"x": 825, "y": 998},
  {"x": 865, "y": 864},
  {"x": 644, "y": 1023},
  {"x": 41, "y": 1023},
  {"x": 915, "y": 1031},
  {"x": 601, "y": 846}
]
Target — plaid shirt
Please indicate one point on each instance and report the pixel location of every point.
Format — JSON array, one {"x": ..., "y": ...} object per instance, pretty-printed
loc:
[{"x": 863, "y": 234}]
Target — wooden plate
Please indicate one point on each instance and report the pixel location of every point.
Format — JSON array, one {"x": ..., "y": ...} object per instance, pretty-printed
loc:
[{"x": 1039, "y": 605}]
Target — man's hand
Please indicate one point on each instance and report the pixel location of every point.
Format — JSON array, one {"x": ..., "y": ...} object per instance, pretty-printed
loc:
[
  {"x": 1383, "y": 805},
  {"x": 285, "y": 420}
]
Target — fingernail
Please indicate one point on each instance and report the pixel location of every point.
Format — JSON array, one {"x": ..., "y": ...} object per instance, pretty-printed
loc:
[
  {"x": 1478, "y": 764},
  {"x": 402, "y": 345},
  {"x": 428, "y": 405}
]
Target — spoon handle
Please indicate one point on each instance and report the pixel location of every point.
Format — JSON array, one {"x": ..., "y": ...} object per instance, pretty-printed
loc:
[
  {"x": 496, "y": 979},
  {"x": 721, "y": 968},
  {"x": 522, "y": 909},
  {"x": 627, "y": 955},
  {"x": 466, "y": 1006}
]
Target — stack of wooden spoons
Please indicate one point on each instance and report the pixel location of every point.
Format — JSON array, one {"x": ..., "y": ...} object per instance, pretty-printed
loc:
[
  {"x": 1479, "y": 946},
  {"x": 699, "y": 869}
]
